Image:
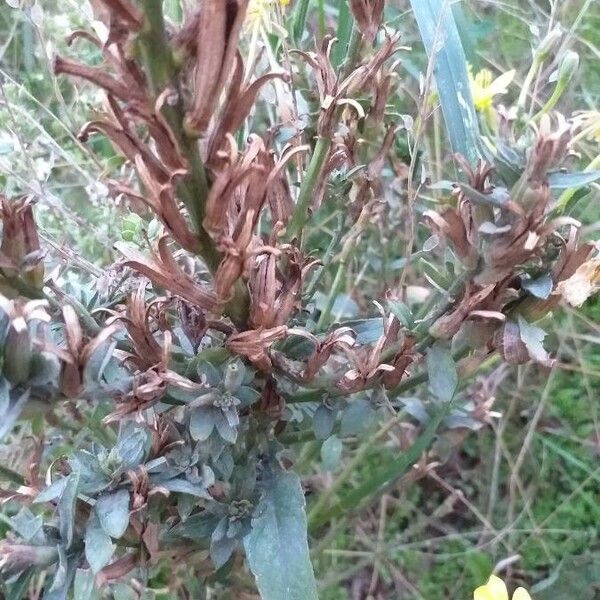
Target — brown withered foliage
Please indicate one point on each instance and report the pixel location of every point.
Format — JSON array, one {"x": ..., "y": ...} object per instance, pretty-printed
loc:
[
  {"x": 245, "y": 184},
  {"x": 255, "y": 345},
  {"x": 368, "y": 15},
  {"x": 496, "y": 234},
  {"x": 223, "y": 322},
  {"x": 211, "y": 39},
  {"x": 334, "y": 93},
  {"x": 370, "y": 365},
  {"x": 275, "y": 285},
  {"x": 139, "y": 321},
  {"x": 163, "y": 270}
]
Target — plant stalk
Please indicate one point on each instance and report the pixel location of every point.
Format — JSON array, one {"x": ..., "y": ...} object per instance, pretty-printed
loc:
[
  {"x": 307, "y": 189},
  {"x": 193, "y": 190}
]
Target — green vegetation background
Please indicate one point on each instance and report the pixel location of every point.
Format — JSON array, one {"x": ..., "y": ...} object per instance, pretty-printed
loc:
[{"x": 440, "y": 537}]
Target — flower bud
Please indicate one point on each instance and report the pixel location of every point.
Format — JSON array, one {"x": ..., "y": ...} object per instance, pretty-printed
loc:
[
  {"x": 20, "y": 241},
  {"x": 17, "y": 352},
  {"x": 234, "y": 376},
  {"x": 18, "y": 342},
  {"x": 547, "y": 45},
  {"x": 568, "y": 68}
]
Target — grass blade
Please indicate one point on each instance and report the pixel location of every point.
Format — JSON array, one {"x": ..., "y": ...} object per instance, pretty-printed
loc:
[
  {"x": 299, "y": 25},
  {"x": 440, "y": 36}
]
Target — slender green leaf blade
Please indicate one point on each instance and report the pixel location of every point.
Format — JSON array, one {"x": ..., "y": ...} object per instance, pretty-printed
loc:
[
  {"x": 299, "y": 22},
  {"x": 344, "y": 29},
  {"x": 442, "y": 42},
  {"x": 564, "y": 181},
  {"x": 277, "y": 546}
]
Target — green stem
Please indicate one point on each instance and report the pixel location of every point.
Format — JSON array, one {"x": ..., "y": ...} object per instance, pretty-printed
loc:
[
  {"x": 193, "y": 190},
  {"x": 353, "y": 51},
  {"x": 155, "y": 47},
  {"x": 335, "y": 288},
  {"x": 308, "y": 188},
  {"x": 533, "y": 69},
  {"x": 321, "y": 18},
  {"x": 162, "y": 73}
]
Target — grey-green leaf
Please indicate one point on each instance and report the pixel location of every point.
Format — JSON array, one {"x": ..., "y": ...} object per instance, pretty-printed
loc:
[
  {"x": 221, "y": 550},
  {"x": 323, "y": 422},
  {"x": 442, "y": 43},
  {"x": 563, "y": 181},
  {"x": 357, "y": 417},
  {"x": 540, "y": 287},
  {"x": 277, "y": 546},
  {"x": 84, "y": 587},
  {"x": 112, "y": 511},
  {"x": 98, "y": 545},
  {"x": 331, "y": 452},
  {"x": 66, "y": 508},
  {"x": 441, "y": 371},
  {"x": 53, "y": 491},
  {"x": 202, "y": 424}
]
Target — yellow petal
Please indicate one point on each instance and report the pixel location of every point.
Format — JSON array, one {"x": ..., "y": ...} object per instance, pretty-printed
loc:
[
  {"x": 521, "y": 594},
  {"x": 501, "y": 83},
  {"x": 494, "y": 589}
]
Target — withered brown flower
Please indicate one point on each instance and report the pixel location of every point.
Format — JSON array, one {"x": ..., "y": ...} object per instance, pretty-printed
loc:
[
  {"x": 368, "y": 361},
  {"x": 163, "y": 270},
  {"x": 78, "y": 352},
  {"x": 368, "y": 15},
  {"x": 212, "y": 38},
  {"x": 138, "y": 320},
  {"x": 255, "y": 345}
]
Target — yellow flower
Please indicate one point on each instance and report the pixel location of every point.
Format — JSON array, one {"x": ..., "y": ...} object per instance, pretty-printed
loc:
[
  {"x": 495, "y": 589},
  {"x": 484, "y": 89},
  {"x": 259, "y": 10},
  {"x": 588, "y": 122}
]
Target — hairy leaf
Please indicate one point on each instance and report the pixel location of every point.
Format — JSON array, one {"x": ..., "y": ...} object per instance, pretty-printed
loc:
[
  {"x": 113, "y": 512},
  {"x": 98, "y": 545},
  {"x": 66, "y": 508},
  {"x": 277, "y": 547},
  {"x": 441, "y": 370}
]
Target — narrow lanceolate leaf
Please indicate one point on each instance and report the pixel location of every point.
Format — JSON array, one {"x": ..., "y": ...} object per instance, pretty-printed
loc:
[
  {"x": 277, "y": 546},
  {"x": 442, "y": 43},
  {"x": 564, "y": 181},
  {"x": 299, "y": 22},
  {"x": 66, "y": 509}
]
